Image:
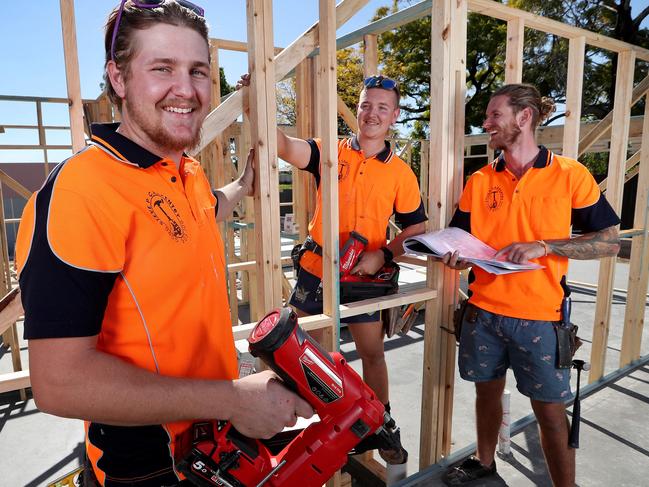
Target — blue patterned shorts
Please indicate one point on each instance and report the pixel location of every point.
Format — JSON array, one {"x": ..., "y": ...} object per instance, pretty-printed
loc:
[{"x": 491, "y": 343}]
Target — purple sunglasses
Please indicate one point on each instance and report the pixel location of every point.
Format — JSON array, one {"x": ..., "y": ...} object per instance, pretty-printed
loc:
[{"x": 149, "y": 4}]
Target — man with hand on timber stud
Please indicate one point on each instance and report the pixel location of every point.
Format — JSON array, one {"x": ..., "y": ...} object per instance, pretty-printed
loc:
[
  {"x": 524, "y": 203},
  {"x": 373, "y": 184},
  {"x": 122, "y": 269}
]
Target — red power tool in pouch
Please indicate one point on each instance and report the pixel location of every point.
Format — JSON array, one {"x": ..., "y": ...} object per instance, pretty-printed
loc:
[
  {"x": 214, "y": 453},
  {"x": 354, "y": 287}
]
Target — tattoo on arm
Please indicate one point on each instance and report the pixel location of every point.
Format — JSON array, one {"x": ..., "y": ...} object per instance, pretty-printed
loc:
[{"x": 604, "y": 243}]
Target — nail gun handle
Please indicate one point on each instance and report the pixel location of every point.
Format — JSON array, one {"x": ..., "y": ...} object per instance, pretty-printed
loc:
[{"x": 351, "y": 251}]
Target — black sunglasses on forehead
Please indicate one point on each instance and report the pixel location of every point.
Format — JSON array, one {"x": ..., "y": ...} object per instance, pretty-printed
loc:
[
  {"x": 380, "y": 82},
  {"x": 149, "y": 4}
]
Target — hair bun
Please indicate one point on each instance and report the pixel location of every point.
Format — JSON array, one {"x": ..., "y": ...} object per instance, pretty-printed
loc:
[{"x": 547, "y": 108}]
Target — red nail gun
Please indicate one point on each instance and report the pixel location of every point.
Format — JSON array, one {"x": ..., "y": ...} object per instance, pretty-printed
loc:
[
  {"x": 354, "y": 287},
  {"x": 214, "y": 453}
]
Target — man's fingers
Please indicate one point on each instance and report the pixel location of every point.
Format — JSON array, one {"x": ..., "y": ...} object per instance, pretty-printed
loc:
[
  {"x": 501, "y": 252},
  {"x": 303, "y": 408}
]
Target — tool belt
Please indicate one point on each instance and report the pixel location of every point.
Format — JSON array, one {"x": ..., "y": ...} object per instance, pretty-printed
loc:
[{"x": 298, "y": 251}]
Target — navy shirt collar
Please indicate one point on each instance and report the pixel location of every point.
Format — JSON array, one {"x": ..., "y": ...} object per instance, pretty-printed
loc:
[
  {"x": 106, "y": 136},
  {"x": 382, "y": 156},
  {"x": 542, "y": 160}
]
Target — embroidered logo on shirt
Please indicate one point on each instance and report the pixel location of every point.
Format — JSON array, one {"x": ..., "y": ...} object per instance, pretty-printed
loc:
[
  {"x": 166, "y": 214},
  {"x": 494, "y": 199}
]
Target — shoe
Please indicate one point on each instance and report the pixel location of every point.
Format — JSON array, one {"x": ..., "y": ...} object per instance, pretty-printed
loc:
[
  {"x": 397, "y": 455},
  {"x": 469, "y": 470},
  {"x": 394, "y": 457}
]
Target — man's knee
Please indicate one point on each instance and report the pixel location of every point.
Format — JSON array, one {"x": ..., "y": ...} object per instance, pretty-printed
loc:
[
  {"x": 490, "y": 390},
  {"x": 551, "y": 417},
  {"x": 371, "y": 357}
]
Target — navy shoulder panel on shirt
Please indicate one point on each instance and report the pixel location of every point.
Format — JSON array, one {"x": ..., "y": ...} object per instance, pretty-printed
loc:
[
  {"x": 461, "y": 219},
  {"x": 59, "y": 300},
  {"x": 404, "y": 220},
  {"x": 595, "y": 217},
  {"x": 314, "y": 162}
]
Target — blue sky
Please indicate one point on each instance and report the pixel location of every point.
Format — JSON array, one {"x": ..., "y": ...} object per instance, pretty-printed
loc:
[{"x": 31, "y": 48}]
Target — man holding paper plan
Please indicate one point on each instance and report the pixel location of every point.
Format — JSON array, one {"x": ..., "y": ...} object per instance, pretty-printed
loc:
[{"x": 524, "y": 204}]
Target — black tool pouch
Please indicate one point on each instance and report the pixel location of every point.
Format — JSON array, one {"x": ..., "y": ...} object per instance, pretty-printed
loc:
[
  {"x": 296, "y": 255},
  {"x": 567, "y": 344},
  {"x": 458, "y": 317},
  {"x": 383, "y": 283}
]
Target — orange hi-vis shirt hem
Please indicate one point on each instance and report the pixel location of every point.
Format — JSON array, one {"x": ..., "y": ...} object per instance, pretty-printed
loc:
[
  {"x": 499, "y": 209},
  {"x": 370, "y": 191},
  {"x": 123, "y": 245}
]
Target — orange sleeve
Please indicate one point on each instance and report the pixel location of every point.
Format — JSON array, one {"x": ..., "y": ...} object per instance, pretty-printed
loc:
[
  {"x": 25, "y": 234},
  {"x": 408, "y": 197},
  {"x": 466, "y": 198},
  {"x": 82, "y": 235},
  {"x": 585, "y": 192}
]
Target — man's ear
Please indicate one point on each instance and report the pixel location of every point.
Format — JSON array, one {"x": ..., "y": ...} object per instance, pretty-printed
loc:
[
  {"x": 524, "y": 117},
  {"x": 395, "y": 115},
  {"x": 116, "y": 78}
]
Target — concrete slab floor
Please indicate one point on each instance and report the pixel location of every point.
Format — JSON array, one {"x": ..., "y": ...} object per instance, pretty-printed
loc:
[{"x": 36, "y": 448}]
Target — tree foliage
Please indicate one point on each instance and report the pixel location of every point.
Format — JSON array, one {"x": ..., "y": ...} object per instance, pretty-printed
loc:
[
  {"x": 405, "y": 56},
  {"x": 350, "y": 82}
]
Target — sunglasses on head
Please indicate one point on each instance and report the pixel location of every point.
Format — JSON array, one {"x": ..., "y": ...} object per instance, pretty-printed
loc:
[
  {"x": 380, "y": 82},
  {"x": 148, "y": 4}
]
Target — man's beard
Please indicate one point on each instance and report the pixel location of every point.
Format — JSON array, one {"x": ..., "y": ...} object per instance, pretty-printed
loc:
[
  {"x": 508, "y": 135},
  {"x": 158, "y": 134}
]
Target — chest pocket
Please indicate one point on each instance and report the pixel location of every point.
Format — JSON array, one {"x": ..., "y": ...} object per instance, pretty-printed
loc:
[{"x": 550, "y": 216}]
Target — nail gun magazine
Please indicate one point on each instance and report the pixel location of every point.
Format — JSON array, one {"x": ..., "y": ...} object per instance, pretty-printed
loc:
[{"x": 470, "y": 249}]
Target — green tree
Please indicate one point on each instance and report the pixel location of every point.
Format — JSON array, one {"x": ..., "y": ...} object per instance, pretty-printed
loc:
[
  {"x": 349, "y": 83},
  {"x": 225, "y": 86},
  {"x": 405, "y": 55}
]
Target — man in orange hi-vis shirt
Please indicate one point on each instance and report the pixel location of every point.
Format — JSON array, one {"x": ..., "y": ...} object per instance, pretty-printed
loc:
[
  {"x": 122, "y": 270},
  {"x": 374, "y": 184},
  {"x": 524, "y": 203}
]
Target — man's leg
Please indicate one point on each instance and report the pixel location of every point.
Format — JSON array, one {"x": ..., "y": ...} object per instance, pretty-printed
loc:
[
  {"x": 368, "y": 338},
  {"x": 559, "y": 457},
  {"x": 489, "y": 414}
]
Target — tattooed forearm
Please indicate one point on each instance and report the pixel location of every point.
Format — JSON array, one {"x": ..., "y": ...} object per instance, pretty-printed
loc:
[{"x": 604, "y": 243}]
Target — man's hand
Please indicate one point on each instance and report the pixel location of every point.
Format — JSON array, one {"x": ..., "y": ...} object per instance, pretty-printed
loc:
[
  {"x": 247, "y": 178},
  {"x": 243, "y": 81},
  {"x": 265, "y": 406},
  {"x": 522, "y": 252},
  {"x": 369, "y": 263},
  {"x": 452, "y": 260}
]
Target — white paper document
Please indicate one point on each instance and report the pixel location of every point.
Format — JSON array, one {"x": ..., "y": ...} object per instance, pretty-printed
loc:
[{"x": 469, "y": 247}]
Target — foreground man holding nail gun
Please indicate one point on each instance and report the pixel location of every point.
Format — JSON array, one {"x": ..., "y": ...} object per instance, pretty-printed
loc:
[
  {"x": 525, "y": 203},
  {"x": 122, "y": 269}
]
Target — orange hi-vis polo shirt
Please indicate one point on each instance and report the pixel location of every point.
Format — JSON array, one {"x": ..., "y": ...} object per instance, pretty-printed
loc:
[
  {"x": 121, "y": 244},
  {"x": 499, "y": 209},
  {"x": 370, "y": 191}
]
